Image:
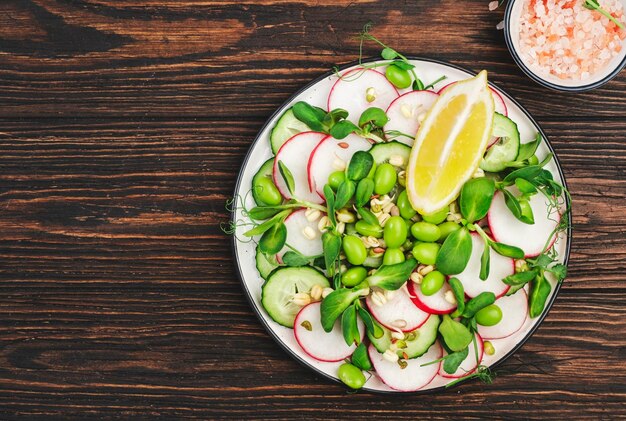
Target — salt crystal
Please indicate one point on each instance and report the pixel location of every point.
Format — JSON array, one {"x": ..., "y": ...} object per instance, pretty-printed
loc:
[{"x": 493, "y": 5}]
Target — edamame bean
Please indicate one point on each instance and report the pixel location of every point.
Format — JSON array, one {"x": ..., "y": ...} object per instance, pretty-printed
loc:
[
  {"x": 400, "y": 78},
  {"x": 406, "y": 210},
  {"x": 393, "y": 256},
  {"x": 425, "y": 231},
  {"x": 354, "y": 249},
  {"x": 353, "y": 276},
  {"x": 351, "y": 376},
  {"x": 426, "y": 253},
  {"x": 368, "y": 230},
  {"x": 432, "y": 282},
  {"x": 384, "y": 178},
  {"x": 336, "y": 178},
  {"x": 437, "y": 217},
  {"x": 489, "y": 316},
  {"x": 267, "y": 192},
  {"x": 395, "y": 232},
  {"x": 446, "y": 229}
]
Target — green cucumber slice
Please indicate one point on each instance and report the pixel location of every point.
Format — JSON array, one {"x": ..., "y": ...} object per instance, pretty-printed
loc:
[
  {"x": 383, "y": 151},
  {"x": 425, "y": 336},
  {"x": 266, "y": 170},
  {"x": 264, "y": 265},
  {"x": 506, "y": 148},
  {"x": 278, "y": 291},
  {"x": 286, "y": 127}
]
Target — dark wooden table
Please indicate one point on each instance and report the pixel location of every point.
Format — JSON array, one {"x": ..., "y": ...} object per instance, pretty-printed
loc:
[{"x": 123, "y": 125}]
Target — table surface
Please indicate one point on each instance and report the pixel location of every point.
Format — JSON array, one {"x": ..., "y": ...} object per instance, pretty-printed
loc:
[{"x": 123, "y": 126}]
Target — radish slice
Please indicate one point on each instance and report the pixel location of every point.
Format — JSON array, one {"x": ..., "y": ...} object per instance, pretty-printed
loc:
[
  {"x": 294, "y": 153},
  {"x": 296, "y": 223},
  {"x": 498, "y": 101},
  {"x": 411, "y": 378},
  {"x": 433, "y": 304},
  {"x": 507, "y": 229},
  {"x": 351, "y": 90},
  {"x": 322, "y": 160},
  {"x": 469, "y": 364},
  {"x": 319, "y": 344},
  {"x": 398, "y": 312},
  {"x": 500, "y": 268},
  {"x": 405, "y": 111},
  {"x": 514, "y": 312}
]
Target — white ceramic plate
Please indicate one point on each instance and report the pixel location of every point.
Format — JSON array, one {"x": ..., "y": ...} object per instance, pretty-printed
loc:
[{"x": 316, "y": 93}]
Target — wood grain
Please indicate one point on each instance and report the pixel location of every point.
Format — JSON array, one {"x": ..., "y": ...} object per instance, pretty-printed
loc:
[{"x": 123, "y": 126}]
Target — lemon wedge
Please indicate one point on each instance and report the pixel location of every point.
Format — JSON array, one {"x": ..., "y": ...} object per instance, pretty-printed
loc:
[{"x": 449, "y": 144}]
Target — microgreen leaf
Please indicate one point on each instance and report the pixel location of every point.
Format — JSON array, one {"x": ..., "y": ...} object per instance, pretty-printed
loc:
[
  {"x": 455, "y": 252},
  {"x": 404, "y": 65},
  {"x": 263, "y": 212},
  {"x": 456, "y": 336},
  {"x": 525, "y": 186},
  {"x": 294, "y": 259},
  {"x": 369, "y": 217},
  {"x": 520, "y": 278},
  {"x": 329, "y": 195},
  {"x": 261, "y": 228},
  {"x": 287, "y": 176},
  {"x": 309, "y": 115},
  {"x": 512, "y": 203},
  {"x": 526, "y": 150},
  {"x": 388, "y": 53},
  {"x": 507, "y": 250},
  {"x": 342, "y": 129},
  {"x": 360, "y": 357},
  {"x": 373, "y": 115},
  {"x": 349, "y": 326},
  {"x": 335, "y": 304},
  {"x": 364, "y": 191},
  {"x": 360, "y": 165},
  {"x": 539, "y": 291},
  {"x": 528, "y": 173},
  {"x": 459, "y": 295},
  {"x": 527, "y": 212},
  {"x": 477, "y": 303},
  {"x": 485, "y": 261},
  {"x": 273, "y": 240},
  {"x": 475, "y": 199},
  {"x": 453, "y": 361},
  {"x": 371, "y": 325},
  {"x": 345, "y": 191},
  {"x": 392, "y": 277},
  {"x": 331, "y": 245},
  {"x": 559, "y": 271}
]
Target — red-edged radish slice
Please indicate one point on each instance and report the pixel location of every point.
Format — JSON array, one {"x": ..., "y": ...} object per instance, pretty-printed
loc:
[
  {"x": 294, "y": 154},
  {"x": 514, "y": 313},
  {"x": 469, "y": 364},
  {"x": 319, "y": 344},
  {"x": 412, "y": 377},
  {"x": 498, "y": 101},
  {"x": 433, "y": 304},
  {"x": 507, "y": 229},
  {"x": 352, "y": 91},
  {"x": 296, "y": 224},
  {"x": 499, "y": 268},
  {"x": 322, "y": 160},
  {"x": 398, "y": 312},
  {"x": 406, "y": 111}
]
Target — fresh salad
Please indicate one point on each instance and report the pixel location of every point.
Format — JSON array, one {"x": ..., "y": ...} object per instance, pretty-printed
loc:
[{"x": 404, "y": 226}]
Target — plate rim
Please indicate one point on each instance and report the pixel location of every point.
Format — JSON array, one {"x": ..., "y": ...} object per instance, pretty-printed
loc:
[{"x": 257, "y": 310}]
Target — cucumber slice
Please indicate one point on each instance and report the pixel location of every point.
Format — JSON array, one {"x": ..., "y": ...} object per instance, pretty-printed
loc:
[
  {"x": 425, "y": 336},
  {"x": 383, "y": 151},
  {"x": 266, "y": 170},
  {"x": 286, "y": 127},
  {"x": 264, "y": 265},
  {"x": 506, "y": 148},
  {"x": 277, "y": 293}
]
